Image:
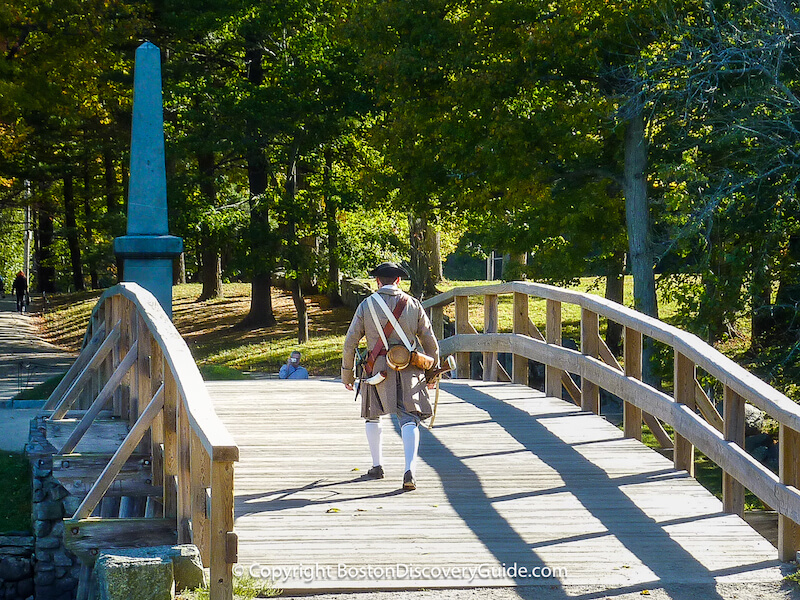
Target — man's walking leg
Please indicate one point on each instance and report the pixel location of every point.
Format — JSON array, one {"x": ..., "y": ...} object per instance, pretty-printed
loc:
[
  {"x": 410, "y": 434},
  {"x": 374, "y": 431}
]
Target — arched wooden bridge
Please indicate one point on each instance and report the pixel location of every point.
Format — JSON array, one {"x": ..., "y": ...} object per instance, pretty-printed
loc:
[{"x": 516, "y": 486}]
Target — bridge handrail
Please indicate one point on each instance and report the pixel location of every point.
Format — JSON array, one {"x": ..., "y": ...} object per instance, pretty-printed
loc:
[
  {"x": 217, "y": 441},
  {"x": 711, "y": 360},
  {"x": 721, "y": 438},
  {"x": 159, "y": 390}
]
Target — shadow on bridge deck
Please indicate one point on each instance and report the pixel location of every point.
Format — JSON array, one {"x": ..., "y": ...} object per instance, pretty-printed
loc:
[{"x": 509, "y": 480}]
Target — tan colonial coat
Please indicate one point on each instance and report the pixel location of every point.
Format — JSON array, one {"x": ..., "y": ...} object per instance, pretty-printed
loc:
[{"x": 381, "y": 399}]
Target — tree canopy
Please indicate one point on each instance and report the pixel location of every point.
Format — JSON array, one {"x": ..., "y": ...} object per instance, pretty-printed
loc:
[{"x": 311, "y": 138}]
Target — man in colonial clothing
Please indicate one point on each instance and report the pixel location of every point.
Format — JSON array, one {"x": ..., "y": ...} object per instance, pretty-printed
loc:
[{"x": 384, "y": 389}]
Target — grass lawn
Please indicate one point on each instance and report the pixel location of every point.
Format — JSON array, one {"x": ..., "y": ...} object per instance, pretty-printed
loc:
[
  {"x": 15, "y": 495},
  {"x": 220, "y": 346},
  {"x": 223, "y": 349}
]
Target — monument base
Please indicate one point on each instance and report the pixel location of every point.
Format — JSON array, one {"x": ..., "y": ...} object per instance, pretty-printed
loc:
[{"x": 147, "y": 260}]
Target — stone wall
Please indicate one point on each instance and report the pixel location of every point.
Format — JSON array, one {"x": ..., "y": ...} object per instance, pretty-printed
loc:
[
  {"x": 353, "y": 292},
  {"x": 55, "y": 569},
  {"x": 16, "y": 566}
]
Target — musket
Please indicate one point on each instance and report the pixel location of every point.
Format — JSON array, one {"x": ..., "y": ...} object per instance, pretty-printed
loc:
[
  {"x": 448, "y": 365},
  {"x": 359, "y": 369}
]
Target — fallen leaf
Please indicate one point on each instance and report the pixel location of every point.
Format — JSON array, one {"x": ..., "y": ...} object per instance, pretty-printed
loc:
[{"x": 332, "y": 510}]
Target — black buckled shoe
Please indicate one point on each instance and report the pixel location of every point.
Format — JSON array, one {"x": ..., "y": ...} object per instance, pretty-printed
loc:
[
  {"x": 409, "y": 483},
  {"x": 376, "y": 472}
]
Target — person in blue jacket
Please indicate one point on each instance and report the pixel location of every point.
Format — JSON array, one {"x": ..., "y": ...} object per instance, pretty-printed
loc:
[{"x": 292, "y": 369}]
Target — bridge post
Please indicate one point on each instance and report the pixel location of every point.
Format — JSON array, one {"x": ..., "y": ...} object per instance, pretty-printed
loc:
[
  {"x": 143, "y": 385},
  {"x": 437, "y": 321},
  {"x": 462, "y": 328},
  {"x": 200, "y": 476},
  {"x": 683, "y": 456},
  {"x": 733, "y": 430},
  {"x": 590, "y": 346},
  {"x": 632, "y": 415},
  {"x": 116, "y": 354},
  {"x": 490, "y": 320},
  {"x": 553, "y": 375},
  {"x": 147, "y": 251},
  {"x": 158, "y": 442},
  {"x": 184, "y": 475},
  {"x": 171, "y": 400},
  {"x": 789, "y": 472},
  {"x": 223, "y": 540},
  {"x": 520, "y": 363}
]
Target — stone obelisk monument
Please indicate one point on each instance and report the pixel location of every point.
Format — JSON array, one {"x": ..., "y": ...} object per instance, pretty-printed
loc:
[{"x": 148, "y": 250}]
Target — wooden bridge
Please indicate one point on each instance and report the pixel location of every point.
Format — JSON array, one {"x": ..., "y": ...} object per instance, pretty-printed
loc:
[{"x": 516, "y": 486}]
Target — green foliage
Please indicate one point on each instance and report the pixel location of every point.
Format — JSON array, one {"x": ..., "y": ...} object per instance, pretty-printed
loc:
[
  {"x": 41, "y": 391},
  {"x": 15, "y": 472},
  {"x": 371, "y": 236},
  {"x": 221, "y": 373},
  {"x": 12, "y": 225},
  {"x": 292, "y": 125},
  {"x": 244, "y": 588}
]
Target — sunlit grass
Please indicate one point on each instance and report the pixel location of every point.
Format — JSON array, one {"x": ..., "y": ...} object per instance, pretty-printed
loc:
[
  {"x": 213, "y": 332},
  {"x": 244, "y": 588}
]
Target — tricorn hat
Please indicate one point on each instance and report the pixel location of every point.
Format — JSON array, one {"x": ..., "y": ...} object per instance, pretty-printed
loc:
[{"x": 388, "y": 269}]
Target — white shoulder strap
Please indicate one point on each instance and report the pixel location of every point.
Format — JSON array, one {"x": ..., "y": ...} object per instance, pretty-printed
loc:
[
  {"x": 377, "y": 322},
  {"x": 400, "y": 333}
]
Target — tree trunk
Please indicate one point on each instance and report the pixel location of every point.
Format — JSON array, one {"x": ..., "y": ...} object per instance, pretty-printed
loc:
[
  {"x": 88, "y": 214},
  {"x": 126, "y": 180},
  {"x": 45, "y": 271},
  {"x": 210, "y": 269},
  {"x": 615, "y": 291},
  {"x": 261, "y": 254},
  {"x": 116, "y": 211},
  {"x": 261, "y": 246},
  {"x": 761, "y": 293},
  {"x": 787, "y": 300},
  {"x": 211, "y": 273},
  {"x": 426, "y": 257},
  {"x": 332, "y": 225},
  {"x": 637, "y": 214},
  {"x": 714, "y": 281},
  {"x": 295, "y": 250},
  {"x": 114, "y": 216},
  {"x": 515, "y": 268},
  {"x": 179, "y": 270},
  {"x": 302, "y": 311},
  {"x": 71, "y": 227}
]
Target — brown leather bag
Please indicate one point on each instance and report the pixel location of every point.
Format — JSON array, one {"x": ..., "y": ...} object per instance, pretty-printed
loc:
[
  {"x": 422, "y": 361},
  {"x": 398, "y": 357}
]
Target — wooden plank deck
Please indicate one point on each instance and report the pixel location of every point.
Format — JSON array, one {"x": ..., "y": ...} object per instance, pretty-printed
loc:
[{"x": 507, "y": 479}]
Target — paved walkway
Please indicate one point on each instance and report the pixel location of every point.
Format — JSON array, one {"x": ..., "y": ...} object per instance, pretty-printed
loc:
[{"x": 25, "y": 361}]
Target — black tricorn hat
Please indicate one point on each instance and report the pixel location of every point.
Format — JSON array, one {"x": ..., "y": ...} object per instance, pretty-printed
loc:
[{"x": 388, "y": 269}]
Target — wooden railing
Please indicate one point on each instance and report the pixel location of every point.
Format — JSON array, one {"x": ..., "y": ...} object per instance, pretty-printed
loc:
[
  {"x": 168, "y": 476},
  {"x": 720, "y": 437}
]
